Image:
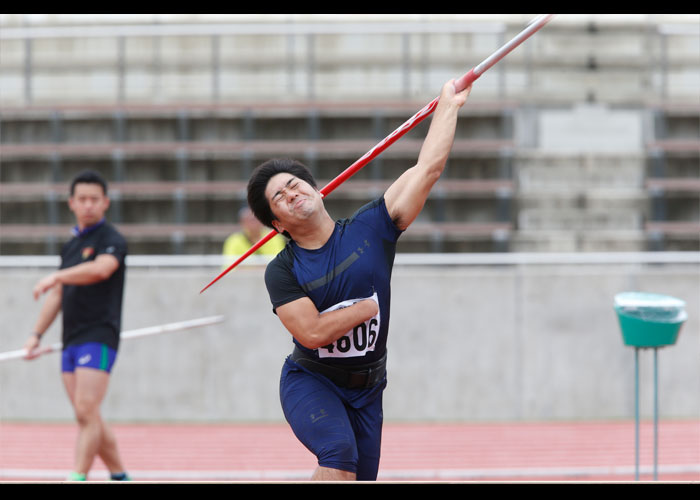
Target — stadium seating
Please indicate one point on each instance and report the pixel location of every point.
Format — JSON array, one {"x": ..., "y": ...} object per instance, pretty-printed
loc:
[{"x": 176, "y": 123}]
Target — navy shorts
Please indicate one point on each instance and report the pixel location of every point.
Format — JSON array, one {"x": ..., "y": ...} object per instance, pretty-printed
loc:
[
  {"x": 342, "y": 427},
  {"x": 89, "y": 355}
]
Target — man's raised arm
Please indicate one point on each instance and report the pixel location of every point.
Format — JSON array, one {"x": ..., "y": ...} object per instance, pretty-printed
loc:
[{"x": 406, "y": 196}]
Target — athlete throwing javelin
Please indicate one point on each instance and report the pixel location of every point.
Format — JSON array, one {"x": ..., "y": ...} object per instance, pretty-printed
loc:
[
  {"x": 88, "y": 290},
  {"x": 330, "y": 287}
]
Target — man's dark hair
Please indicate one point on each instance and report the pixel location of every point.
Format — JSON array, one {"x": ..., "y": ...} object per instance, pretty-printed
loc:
[
  {"x": 88, "y": 177},
  {"x": 262, "y": 175}
]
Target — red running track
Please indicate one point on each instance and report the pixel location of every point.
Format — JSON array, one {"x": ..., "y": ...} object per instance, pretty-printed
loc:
[{"x": 474, "y": 452}]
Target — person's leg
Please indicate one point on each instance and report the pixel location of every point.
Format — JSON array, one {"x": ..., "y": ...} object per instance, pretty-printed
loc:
[
  {"x": 86, "y": 388},
  {"x": 326, "y": 474},
  {"x": 367, "y": 423},
  {"x": 319, "y": 419},
  {"x": 90, "y": 388},
  {"x": 109, "y": 452},
  {"x": 69, "y": 383}
]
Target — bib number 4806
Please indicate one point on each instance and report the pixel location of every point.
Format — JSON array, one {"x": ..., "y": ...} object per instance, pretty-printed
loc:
[{"x": 356, "y": 342}]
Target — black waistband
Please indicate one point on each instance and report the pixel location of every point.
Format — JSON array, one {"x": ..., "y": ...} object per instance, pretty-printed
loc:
[{"x": 351, "y": 377}]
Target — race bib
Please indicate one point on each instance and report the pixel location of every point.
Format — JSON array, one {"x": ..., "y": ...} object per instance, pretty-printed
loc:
[{"x": 356, "y": 342}]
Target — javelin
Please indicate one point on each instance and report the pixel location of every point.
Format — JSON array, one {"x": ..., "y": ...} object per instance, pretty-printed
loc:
[
  {"x": 130, "y": 334},
  {"x": 460, "y": 84}
]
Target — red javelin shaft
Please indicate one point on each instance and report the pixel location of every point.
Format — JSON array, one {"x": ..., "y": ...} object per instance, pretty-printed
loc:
[{"x": 460, "y": 84}]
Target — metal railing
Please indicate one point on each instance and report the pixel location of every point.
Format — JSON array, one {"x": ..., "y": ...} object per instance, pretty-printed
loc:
[{"x": 402, "y": 259}]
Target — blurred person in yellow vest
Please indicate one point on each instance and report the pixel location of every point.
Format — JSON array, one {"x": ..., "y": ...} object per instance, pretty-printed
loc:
[{"x": 250, "y": 233}]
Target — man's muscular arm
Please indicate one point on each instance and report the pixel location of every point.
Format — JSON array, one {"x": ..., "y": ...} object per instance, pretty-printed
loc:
[
  {"x": 313, "y": 329},
  {"x": 406, "y": 196}
]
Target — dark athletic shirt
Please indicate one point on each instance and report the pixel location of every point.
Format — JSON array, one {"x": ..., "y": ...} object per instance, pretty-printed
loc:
[
  {"x": 355, "y": 263},
  {"x": 92, "y": 313}
]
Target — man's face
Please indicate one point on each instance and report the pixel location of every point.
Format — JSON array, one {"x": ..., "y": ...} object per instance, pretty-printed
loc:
[
  {"x": 88, "y": 203},
  {"x": 291, "y": 199}
]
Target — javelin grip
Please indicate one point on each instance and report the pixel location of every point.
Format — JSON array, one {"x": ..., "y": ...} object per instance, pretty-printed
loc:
[
  {"x": 465, "y": 81},
  {"x": 460, "y": 84}
]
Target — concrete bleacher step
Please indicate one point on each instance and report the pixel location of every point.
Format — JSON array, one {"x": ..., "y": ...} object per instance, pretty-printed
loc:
[
  {"x": 578, "y": 241},
  {"x": 580, "y": 202},
  {"x": 577, "y": 170},
  {"x": 573, "y": 58},
  {"x": 579, "y": 220},
  {"x": 208, "y": 237}
]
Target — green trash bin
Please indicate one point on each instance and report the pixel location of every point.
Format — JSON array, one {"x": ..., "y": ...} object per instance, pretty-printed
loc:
[{"x": 649, "y": 319}]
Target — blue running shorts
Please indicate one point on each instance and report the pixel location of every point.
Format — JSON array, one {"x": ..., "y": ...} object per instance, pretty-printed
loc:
[
  {"x": 343, "y": 430},
  {"x": 89, "y": 355}
]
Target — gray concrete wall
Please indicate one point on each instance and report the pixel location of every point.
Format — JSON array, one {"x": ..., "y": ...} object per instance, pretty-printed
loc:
[{"x": 468, "y": 343}]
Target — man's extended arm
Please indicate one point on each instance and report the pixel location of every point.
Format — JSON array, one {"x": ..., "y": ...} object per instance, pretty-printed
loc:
[
  {"x": 87, "y": 273},
  {"x": 83, "y": 274},
  {"x": 406, "y": 196}
]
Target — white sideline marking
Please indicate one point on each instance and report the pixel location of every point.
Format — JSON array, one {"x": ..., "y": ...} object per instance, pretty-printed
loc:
[{"x": 386, "y": 475}]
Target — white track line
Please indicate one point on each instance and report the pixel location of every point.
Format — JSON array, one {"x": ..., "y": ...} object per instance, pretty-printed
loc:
[{"x": 563, "y": 473}]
